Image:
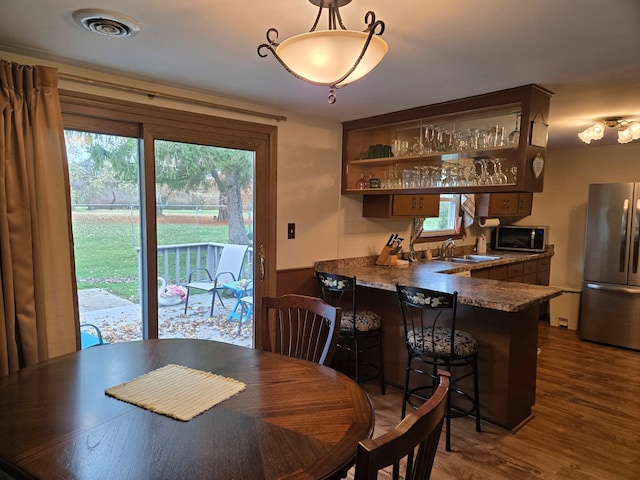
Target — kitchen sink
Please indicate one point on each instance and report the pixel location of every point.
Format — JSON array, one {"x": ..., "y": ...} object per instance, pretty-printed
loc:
[{"x": 470, "y": 258}]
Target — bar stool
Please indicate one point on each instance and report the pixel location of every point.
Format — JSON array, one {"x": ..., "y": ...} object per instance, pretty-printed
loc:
[
  {"x": 360, "y": 330},
  {"x": 431, "y": 343}
]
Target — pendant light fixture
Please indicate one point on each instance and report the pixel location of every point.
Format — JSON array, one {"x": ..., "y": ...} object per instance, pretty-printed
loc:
[
  {"x": 627, "y": 130},
  {"x": 333, "y": 57}
]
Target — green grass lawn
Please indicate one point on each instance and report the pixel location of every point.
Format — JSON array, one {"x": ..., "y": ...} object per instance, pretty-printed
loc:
[{"x": 106, "y": 241}]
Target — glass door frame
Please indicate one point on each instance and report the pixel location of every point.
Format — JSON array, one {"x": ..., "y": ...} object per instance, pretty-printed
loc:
[{"x": 89, "y": 112}]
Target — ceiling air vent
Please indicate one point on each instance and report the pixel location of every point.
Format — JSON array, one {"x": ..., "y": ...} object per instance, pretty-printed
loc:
[{"x": 107, "y": 23}]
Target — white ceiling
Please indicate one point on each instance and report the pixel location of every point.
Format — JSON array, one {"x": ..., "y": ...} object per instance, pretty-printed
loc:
[{"x": 585, "y": 51}]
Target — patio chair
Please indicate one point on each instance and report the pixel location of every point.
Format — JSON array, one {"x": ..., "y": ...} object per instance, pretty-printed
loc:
[
  {"x": 243, "y": 309},
  {"x": 228, "y": 270},
  {"x": 90, "y": 338}
]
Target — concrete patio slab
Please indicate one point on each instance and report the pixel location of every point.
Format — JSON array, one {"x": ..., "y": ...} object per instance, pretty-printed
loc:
[{"x": 121, "y": 320}]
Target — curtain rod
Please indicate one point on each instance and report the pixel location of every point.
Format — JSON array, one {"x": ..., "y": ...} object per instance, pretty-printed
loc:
[{"x": 167, "y": 96}]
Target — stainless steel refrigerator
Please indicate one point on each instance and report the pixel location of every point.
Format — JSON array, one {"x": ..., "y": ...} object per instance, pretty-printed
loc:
[{"x": 610, "y": 304}]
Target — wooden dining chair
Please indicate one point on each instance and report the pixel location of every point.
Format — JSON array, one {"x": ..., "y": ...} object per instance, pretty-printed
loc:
[
  {"x": 300, "y": 326},
  {"x": 421, "y": 428}
]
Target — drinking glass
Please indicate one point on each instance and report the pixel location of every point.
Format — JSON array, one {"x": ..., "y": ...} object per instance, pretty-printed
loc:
[
  {"x": 430, "y": 138},
  {"x": 513, "y": 172},
  {"x": 396, "y": 147},
  {"x": 404, "y": 148},
  {"x": 498, "y": 177},
  {"x": 468, "y": 174},
  {"x": 482, "y": 139},
  {"x": 484, "y": 178},
  {"x": 362, "y": 183},
  {"x": 495, "y": 136},
  {"x": 514, "y": 137},
  {"x": 473, "y": 138},
  {"x": 416, "y": 147}
]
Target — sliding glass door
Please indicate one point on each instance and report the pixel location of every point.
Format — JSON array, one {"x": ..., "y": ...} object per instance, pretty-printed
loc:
[
  {"x": 106, "y": 234},
  {"x": 204, "y": 203},
  {"x": 155, "y": 203}
]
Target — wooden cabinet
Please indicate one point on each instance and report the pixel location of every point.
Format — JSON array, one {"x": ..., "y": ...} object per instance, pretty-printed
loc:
[
  {"x": 451, "y": 147},
  {"x": 503, "y": 204},
  {"x": 400, "y": 206},
  {"x": 543, "y": 271},
  {"x": 498, "y": 273},
  {"x": 534, "y": 272}
]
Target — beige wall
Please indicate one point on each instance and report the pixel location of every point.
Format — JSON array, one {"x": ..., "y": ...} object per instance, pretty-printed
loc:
[
  {"x": 330, "y": 225},
  {"x": 308, "y": 191},
  {"x": 562, "y": 205}
]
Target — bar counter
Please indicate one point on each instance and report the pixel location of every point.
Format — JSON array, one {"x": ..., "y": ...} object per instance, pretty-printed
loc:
[
  {"x": 502, "y": 315},
  {"x": 443, "y": 276}
]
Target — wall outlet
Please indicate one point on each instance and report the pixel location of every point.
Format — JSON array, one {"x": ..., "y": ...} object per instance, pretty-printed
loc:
[{"x": 291, "y": 231}]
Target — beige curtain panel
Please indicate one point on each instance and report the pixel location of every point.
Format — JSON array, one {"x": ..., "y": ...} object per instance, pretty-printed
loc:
[{"x": 39, "y": 313}]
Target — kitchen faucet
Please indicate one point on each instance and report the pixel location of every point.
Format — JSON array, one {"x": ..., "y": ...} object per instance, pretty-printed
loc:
[{"x": 448, "y": 247}]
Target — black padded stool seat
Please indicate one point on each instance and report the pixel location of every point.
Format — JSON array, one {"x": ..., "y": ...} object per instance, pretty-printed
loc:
[
  {"x": 432, "y": 340},
  {"x": 360, "y": 329}
]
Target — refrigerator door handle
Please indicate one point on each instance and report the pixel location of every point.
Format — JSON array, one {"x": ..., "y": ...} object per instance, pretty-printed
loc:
[
  {"x": 636, "y": 236},
  {"x": 614, "y": 288},
  {"x": 623, "y": 233}
]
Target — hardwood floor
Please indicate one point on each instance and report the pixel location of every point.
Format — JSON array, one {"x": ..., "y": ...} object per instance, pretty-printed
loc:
[{"x": 586, "y": 421}]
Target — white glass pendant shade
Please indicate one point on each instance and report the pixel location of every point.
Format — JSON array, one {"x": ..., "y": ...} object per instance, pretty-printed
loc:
[
  {"x": 628, "y": 132},
  {"x": 625, "y": 135},
  {"x": 594, "y": 132},
  {"x": 325, "y": 56},
  {"x": 584, "y": 136},
  {"x": 634, "y": 128}
]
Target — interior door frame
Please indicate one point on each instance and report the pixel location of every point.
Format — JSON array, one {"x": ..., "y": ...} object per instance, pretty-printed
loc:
[{"x": 98, "y": 114}]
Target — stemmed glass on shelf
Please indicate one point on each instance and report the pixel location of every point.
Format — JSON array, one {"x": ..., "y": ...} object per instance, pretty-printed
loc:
[
  {"x": 396, "y": 147},
  {"x": 514, "y": 137},
  {"x": 498, "y": 177}
]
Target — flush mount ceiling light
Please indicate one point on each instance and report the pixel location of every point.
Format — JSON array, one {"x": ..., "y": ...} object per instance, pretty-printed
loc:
[
  {"x": 333, "y": 57},
  {"x": 627, "y": 130},
  {"x": 107, "y": 23}
]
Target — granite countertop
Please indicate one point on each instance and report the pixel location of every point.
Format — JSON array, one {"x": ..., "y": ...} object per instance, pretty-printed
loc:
[{"x": 438, "y": 275}]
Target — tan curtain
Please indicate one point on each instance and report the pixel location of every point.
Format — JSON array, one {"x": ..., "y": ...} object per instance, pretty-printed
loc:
[{"x": 39, "y": 314}]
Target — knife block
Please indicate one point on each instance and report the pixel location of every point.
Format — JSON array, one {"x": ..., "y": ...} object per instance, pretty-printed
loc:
[{"x": 388, "y": 256}]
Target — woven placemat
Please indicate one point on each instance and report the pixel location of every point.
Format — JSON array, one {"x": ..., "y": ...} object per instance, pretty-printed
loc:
[{"x": 176, "y": 391}]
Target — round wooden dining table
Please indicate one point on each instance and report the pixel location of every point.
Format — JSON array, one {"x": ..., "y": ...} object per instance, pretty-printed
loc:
[{"x": 294, "y": 420}]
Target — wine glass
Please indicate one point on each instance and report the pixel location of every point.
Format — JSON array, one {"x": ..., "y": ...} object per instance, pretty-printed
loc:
[
  {"x": 513, "y": 171},
  {"x": 484, "y": 178},
  {"x": 396, "y": 147},
  {"x": 498, "y": 177},
  {"x": 514, "y": 137},
  {"x": 430, "y": 138}
]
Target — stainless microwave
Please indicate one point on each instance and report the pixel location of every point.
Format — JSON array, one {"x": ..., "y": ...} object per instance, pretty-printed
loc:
[{"x": 521, "y": 238}]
